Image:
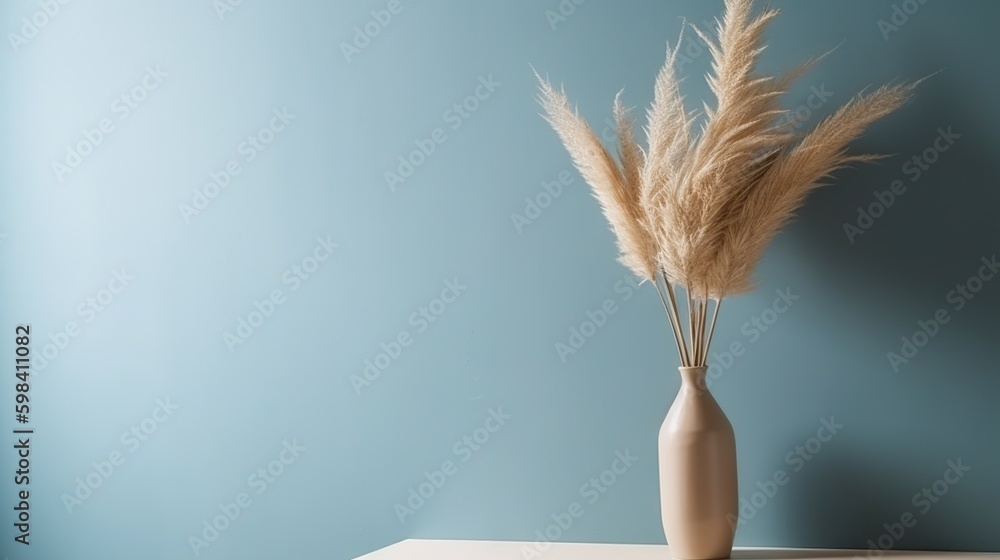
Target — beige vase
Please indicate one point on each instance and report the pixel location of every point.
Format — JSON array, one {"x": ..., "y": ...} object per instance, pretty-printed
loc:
[{"x": 698, "y": 483}]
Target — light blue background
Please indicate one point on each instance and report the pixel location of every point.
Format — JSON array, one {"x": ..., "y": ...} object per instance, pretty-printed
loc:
[{"x": 162, "y": 336}]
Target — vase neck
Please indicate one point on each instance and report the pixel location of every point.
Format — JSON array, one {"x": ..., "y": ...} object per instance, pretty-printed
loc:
[{"x": 693, "y": 378}]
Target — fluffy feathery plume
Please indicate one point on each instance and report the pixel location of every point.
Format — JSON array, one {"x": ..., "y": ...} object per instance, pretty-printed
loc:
[
  {"x": 741, "y": 130},
  {"x": 668, "y": 135},
  {"x": 616, "y": 189},
  {"x": 630, "y": 154},
  {"x": 753, "y": 220},
  {"x": 698, "y": 210}
]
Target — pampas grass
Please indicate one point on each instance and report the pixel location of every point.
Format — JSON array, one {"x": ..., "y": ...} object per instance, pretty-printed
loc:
[{"x": 697, "y": 209}]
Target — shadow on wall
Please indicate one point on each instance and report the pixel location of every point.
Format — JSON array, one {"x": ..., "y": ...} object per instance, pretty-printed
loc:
[
  {"x": 899, "y": 254},
  {"x": 900, "y": 264},
  {"x": 853, "y": 499},
  {"x": 931, "y": 234}
]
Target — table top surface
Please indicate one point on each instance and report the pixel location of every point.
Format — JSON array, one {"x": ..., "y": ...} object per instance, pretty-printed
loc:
[{"x": 496, "y": 550}]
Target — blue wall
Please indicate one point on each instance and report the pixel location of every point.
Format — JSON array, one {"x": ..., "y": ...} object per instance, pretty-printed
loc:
[{"x": 153, "y": 404}]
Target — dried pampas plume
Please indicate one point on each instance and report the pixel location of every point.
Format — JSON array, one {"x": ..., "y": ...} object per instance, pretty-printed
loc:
[
  {"x": 616, "y": 187},
  {"x": 697, "y": 210}
]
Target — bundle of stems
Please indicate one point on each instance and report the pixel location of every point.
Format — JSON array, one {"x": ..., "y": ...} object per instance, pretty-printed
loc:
[{"x": 696, "y": 210}]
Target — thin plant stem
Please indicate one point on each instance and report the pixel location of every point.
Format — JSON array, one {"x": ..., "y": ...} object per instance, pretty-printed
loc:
[
  {"x": 677, "y": 319},
  {"x": 695, "y": 342},
  {"x": 704, "y": 331},
  {"x": 691, "y": 314},
  {"x": 701, "y": 330},
  {"x": 702, "y": 312},
  {"x": 672, "y": 298},
  {"x": 711, "y": 330},
  {"x": 704, "y": 323},
  {"x": 670, "y": 317}
]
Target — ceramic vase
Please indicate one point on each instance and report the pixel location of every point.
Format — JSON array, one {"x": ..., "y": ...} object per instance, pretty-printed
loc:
[{"x": 698, "y": 481}]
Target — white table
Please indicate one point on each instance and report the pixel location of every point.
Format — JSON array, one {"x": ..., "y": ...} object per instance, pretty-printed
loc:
[{"x": 493, "y": 550}]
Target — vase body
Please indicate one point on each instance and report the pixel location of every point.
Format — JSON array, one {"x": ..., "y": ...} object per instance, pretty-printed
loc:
[{"x": 698, "y": 480}]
